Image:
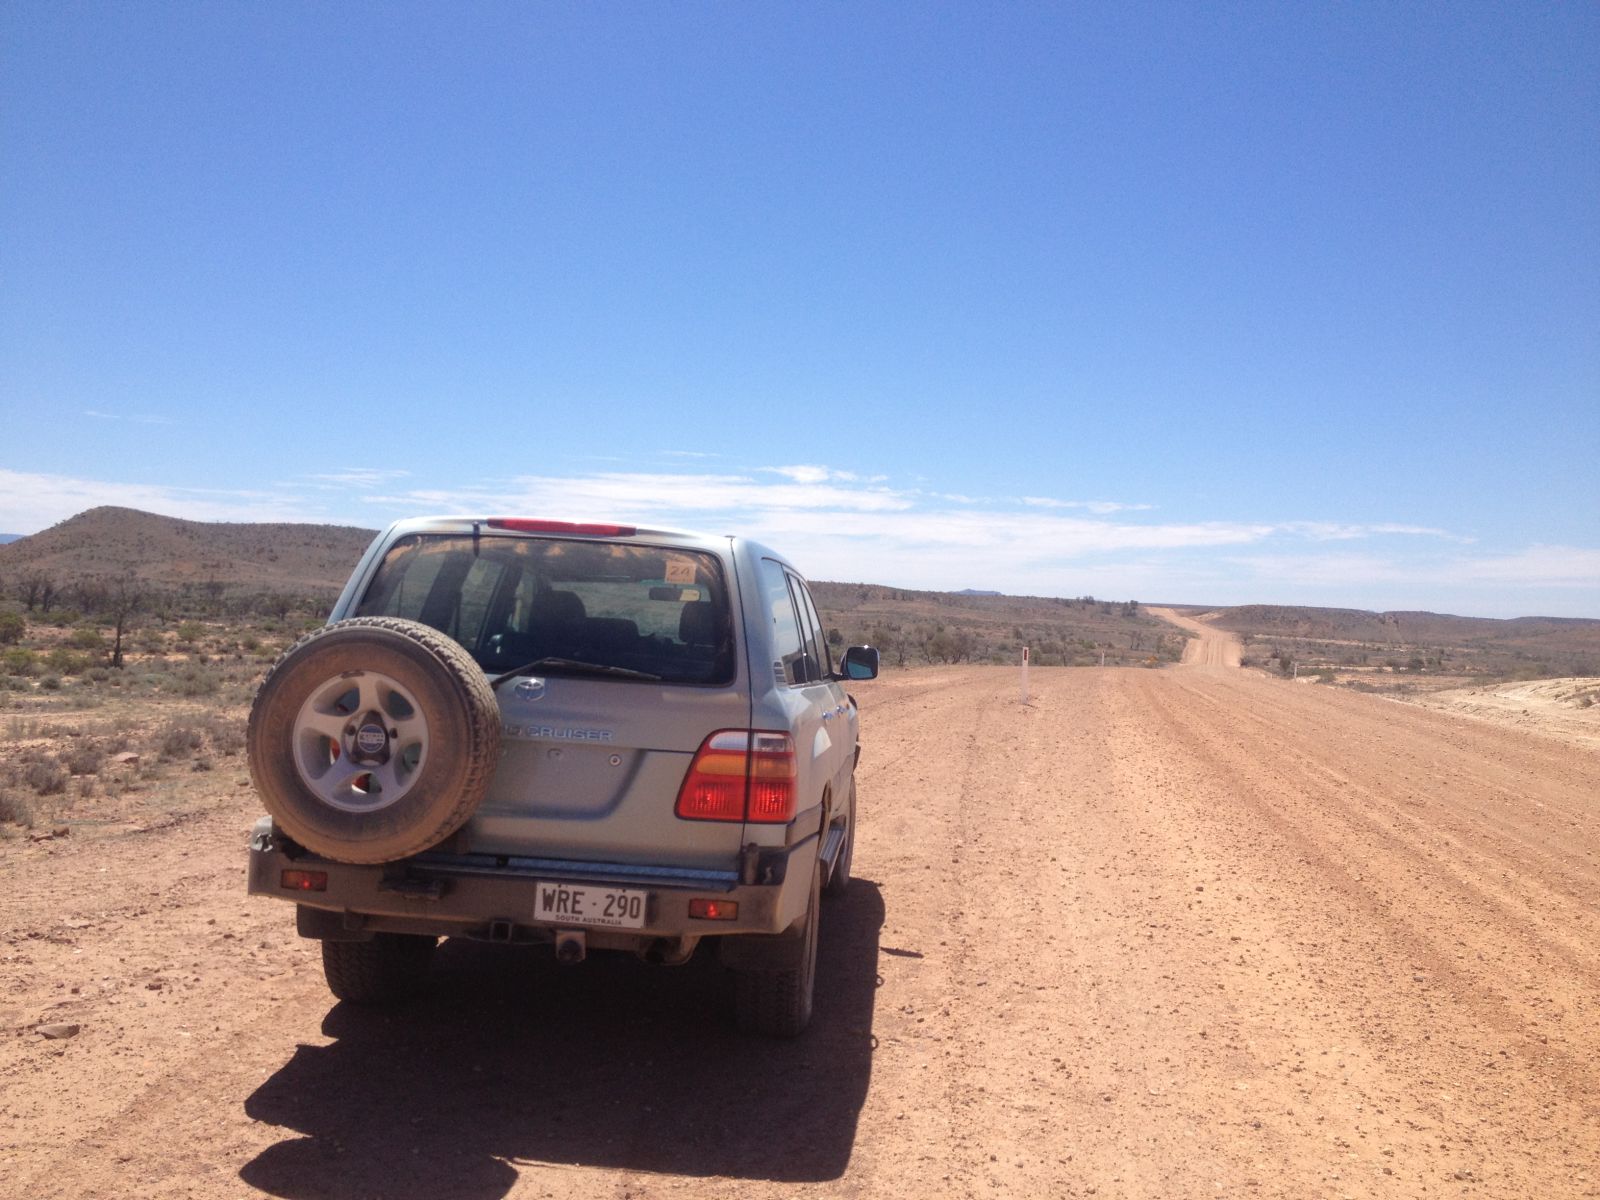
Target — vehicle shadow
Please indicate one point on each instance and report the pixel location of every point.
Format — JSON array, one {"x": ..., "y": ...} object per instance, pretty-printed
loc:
[{"x": 511, "y": 1059}]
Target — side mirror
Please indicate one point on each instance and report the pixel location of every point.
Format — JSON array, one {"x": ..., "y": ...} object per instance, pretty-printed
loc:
[{"x": 860, "y": 662}]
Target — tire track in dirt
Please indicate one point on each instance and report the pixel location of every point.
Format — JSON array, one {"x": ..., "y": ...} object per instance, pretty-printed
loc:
[
  {"x": 1463, "y": 984},
  {"x": 1444, "y": 806}
]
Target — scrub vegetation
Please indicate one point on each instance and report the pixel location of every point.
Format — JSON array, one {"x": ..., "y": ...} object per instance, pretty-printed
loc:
[
  {"x": 912, "y": 628},
  {"x": 131, "y": 645},
  {"x": 1410, "y": 650}
]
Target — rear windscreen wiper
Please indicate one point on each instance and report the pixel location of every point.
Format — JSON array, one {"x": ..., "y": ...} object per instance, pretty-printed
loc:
[{"x": 572, "y": 664}]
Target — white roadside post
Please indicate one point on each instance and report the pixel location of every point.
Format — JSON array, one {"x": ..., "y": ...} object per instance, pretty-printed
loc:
[{"x": 1024, "y": 674}]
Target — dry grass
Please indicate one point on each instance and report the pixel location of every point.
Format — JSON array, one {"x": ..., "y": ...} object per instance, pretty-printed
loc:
[{"x": 84, "y": 749}]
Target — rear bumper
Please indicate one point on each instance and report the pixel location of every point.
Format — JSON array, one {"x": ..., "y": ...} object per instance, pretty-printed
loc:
[{"x": 492, "y": 898}]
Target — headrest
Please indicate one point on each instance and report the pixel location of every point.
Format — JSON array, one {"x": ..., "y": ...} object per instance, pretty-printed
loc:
[
  {"x": 555, "y": 608},
  {"x": 698, "y": 624}
]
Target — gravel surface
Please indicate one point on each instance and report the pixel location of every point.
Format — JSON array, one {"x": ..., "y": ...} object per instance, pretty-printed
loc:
[{"x": 1191, "y": 932}]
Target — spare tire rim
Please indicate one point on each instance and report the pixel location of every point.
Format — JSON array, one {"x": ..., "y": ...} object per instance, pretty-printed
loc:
[{"x": 360, "y": 741}]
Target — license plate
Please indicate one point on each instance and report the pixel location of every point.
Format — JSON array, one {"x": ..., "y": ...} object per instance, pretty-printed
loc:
[{"x": 568, "y": 904}]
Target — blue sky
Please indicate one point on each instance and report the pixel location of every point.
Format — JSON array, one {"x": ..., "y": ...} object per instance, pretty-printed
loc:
[{"x": 1196, "y": 303}]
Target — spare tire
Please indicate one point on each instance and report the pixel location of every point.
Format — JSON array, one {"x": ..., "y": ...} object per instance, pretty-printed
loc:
[{"x": 373, "y": 739}]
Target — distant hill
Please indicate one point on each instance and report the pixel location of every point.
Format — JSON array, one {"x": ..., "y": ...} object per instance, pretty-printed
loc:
[
  {"x": 10, "y": 537},
  {"x": 1382, "y": 626},
  {"x": 1536, "y": 646},
  {"x": 107, "y": 543}
]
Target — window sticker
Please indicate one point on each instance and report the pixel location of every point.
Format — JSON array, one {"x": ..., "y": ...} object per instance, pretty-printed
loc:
[{"x": 680, "y": 571}]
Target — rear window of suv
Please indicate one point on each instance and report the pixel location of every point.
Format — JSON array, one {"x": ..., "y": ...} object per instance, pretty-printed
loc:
[{"x": 511, "y": 601}]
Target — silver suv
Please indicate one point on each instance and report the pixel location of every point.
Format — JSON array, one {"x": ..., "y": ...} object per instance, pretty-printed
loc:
[{"x": 596, "y": 737}]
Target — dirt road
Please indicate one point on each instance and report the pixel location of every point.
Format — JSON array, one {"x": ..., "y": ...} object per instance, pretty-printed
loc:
[
  {"x": 1210, "y": 646},
  {"x": 1175, "y": 933}
]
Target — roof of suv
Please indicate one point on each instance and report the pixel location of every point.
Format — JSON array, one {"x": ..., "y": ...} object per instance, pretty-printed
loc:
[{"x": 554, "y": 528}]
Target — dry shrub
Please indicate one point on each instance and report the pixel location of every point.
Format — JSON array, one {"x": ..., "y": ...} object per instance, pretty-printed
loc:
[
  {"x": 86, "y": 759},
  {"x": 181, "y": 740},
  {"x": 15, "y": 809},
  {"x": 45, "y": 775},
  {"x": 226, "y": 734}
]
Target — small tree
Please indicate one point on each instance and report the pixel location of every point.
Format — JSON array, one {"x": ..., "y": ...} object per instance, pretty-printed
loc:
[
  {"x": 33, "y": 587},
  {"x": 125, "y": 599},
  {"x": 12, "y": 628}
]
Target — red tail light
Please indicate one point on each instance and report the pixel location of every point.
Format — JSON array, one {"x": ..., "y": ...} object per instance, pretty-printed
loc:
[
  {"x": 527, "y": 525},
  {"x": 740, "y": 775}
]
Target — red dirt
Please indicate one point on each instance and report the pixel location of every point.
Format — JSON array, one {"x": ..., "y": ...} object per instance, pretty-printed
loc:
[{"x": 1157, "y": 934}]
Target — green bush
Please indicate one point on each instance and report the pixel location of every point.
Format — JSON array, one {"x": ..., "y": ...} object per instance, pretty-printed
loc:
[
  {"x": 19, "y": 661},
  {"x": 12, "y": 628},
  {"x": 191, "y": 681},
  {"x": 86, "y": 639},
  {"x": 51, "y": 683},
  {"x": 66, "y": 662}
]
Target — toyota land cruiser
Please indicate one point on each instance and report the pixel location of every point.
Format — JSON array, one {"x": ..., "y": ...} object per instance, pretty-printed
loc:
[{"x": 596, "y": 737}]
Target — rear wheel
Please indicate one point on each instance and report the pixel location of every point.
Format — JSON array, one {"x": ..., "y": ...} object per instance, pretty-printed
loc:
[
  {"x": 391, "y": 967},
  {"x": 777, "y": 1003}
]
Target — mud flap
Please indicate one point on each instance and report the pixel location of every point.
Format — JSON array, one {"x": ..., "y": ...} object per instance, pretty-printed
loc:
[
  {"x": 325, "y": 926},
  {"x": 764, "y": 951}
]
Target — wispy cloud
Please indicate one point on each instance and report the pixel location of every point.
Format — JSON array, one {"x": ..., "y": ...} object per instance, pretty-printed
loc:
[
  {"x": 1334, "y": 531},
  {"x": 357, "y": 477},
  {"x": 654, "y": 496},
  {"x": 1099, "y": 507},
  {"x": 840, "y": 526},
  {"x": 811, "y": 473}
]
